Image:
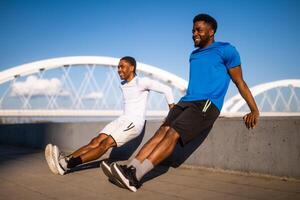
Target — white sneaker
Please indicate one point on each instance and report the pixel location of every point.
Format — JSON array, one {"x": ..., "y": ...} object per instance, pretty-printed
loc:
[
  {"x": 107, "y": 171},
  {"x": 57, "y": 157},
  {"x": 49, "y": 159}
]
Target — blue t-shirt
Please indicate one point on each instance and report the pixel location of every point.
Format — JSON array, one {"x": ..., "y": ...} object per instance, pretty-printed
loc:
[{"x": 209, "y": 78}]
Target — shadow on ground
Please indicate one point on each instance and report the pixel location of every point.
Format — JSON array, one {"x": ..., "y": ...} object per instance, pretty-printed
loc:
[
  {"x": 8, "y": 153},
  {"x": 179, "y": 156}
]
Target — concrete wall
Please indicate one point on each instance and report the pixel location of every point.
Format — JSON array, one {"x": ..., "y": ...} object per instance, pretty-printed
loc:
[{"x": 273, "y": 147}]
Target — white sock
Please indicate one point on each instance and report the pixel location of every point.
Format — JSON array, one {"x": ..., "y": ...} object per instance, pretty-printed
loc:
[
  {"x": 135, "y": 162},
  {"x": 146, "y": 166}
]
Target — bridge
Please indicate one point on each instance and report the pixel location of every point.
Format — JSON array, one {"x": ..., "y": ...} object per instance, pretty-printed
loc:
[
  {"x": 75, "y": 86},
  {"x": 88, "y": 86},
  {"x": 257, "y": 160}
]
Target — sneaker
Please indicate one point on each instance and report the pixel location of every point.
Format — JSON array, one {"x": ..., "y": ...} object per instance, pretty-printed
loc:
[
  {"x": 126, "y": 175},
  {"x": 59, "y": 160},
  {"x": 49, "y": 159},
  {"x": 107, "y": 171}
]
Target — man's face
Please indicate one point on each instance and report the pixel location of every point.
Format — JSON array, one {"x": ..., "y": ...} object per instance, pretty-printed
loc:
[
  {"x": 125, "y": 70},
  {"x": 202, "y": 34}
]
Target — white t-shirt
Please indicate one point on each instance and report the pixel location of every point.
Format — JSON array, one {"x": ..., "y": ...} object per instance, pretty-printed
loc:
[{"x": 135, "y": 96}]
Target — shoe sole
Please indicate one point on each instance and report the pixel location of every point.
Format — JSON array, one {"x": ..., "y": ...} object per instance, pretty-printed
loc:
[
  {"x": 49, "y": 159},
  {"x": 106, "y": 170},
  {"x": 119, "y": 175},
  {"x": 55, "y": 155}
]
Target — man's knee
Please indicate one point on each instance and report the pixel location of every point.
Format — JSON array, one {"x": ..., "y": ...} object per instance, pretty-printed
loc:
[
  {"x": 160, "y": 134},
  {"x": 172, "y": 134},
  {"x": 108, "y": 142},
  {"x": 97, "y": 140},
  {"x": 164, "y": 128}
]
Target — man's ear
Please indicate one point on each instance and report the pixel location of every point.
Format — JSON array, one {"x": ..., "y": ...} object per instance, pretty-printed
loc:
[
  {"x": 211, "y": 32},
  {"x": 131, "y": 68}
]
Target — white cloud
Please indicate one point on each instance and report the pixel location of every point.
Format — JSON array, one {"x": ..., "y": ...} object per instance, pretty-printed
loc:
[
  {"x": 93, "y": 95},
  {"x": 38, "y": 87}
]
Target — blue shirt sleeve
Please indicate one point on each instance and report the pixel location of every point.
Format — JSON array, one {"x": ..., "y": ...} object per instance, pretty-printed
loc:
[{"x": 231, "y": 57}]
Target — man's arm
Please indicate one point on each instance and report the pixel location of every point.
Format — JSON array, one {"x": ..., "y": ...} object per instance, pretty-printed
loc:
[
  {"x": 156, "y": 86},
  {"x": 251, "y": 118}
]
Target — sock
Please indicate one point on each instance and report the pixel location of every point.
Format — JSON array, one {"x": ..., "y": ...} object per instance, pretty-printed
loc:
[
  {"x": 146, "y": 166},
  {"x": 135, "y": 162},
  {"x": 73, "y": 162}
]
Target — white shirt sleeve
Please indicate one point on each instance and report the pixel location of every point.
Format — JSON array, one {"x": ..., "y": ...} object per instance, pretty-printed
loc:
[{"x": 149, "y": 84}]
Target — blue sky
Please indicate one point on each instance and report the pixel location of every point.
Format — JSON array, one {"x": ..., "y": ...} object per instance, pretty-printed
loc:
[{"x": 158, "y": 33}]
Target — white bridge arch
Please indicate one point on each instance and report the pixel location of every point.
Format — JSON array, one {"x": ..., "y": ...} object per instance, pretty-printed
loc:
[
  {"x": 90, "y": 62},
  {"x": 35, "y": 74},
  {"x": 236, "y": 103},
  {"x": 34, "y": 67}
]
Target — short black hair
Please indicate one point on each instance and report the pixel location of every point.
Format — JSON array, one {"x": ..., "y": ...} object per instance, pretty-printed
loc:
[
  {"x": 208, "y": 19},
  {"x": 131, "y": 61}
]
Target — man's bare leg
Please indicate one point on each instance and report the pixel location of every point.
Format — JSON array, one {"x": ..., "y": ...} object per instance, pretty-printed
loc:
[
  {"x": 156, "y": 150},
  {"x": 164, "y": 148},
  {"x": 92, "y": 151},
  {"x": 152, "y": 143},
  {"x": 94, "y": 143},
  {"x": 97, "y": 152}
]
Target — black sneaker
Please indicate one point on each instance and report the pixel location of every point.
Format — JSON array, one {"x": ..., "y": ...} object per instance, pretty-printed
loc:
[
  {"x": 105, "y": 166},
  {"x": 126, "y": 175}
]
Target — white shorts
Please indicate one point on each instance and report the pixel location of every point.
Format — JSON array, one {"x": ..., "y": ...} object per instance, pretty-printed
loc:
[{"x": 121, "y": 130}]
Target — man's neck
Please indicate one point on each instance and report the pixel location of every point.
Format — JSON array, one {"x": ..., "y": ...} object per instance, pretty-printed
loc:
[
  {"x": 208, "y": 43},
  {"x": 130, "y": 78}
]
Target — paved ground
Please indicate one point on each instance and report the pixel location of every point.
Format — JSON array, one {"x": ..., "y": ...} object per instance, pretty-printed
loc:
[{"x": 24, "y": 175}]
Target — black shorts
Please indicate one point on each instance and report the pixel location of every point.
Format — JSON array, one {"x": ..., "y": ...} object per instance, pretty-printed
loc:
[{"x": 192, "y": 118}]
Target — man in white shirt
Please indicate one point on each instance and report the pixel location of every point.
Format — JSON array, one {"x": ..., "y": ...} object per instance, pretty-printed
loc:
[{"x": 129, "y": 125}]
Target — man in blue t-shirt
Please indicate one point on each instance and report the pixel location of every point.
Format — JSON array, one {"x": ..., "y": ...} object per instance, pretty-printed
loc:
[{"x": 212, "y": 66}]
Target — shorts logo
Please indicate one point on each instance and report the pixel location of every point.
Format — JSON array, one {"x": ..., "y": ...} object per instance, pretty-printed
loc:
[
  {"x": 130, "y": 126},
  {"x": 206, "y": 106}
]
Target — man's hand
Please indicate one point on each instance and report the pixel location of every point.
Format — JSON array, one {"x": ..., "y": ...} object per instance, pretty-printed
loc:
[
  {"x": 171, "y": 105},
  {"x": 251, "y": 119},
  {"x": 236, "y": 76}
]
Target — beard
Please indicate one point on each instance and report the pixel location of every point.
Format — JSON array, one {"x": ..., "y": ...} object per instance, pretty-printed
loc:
[{"x": 203, "y": 41}]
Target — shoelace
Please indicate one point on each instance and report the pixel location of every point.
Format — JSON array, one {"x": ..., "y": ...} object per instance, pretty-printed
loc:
[
  {"x": 61, "y": 156},
  {"x": 127, "y": 172},
  {"x": 62, "y": 160},
  {"x": 130, "y": 173}
]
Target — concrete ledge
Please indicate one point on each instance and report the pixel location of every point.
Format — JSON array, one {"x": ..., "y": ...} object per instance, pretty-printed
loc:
[{"x": 273, "y": 147}]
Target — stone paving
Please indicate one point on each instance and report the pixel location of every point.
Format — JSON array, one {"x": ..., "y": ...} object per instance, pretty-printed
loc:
[{"x": 24, "y": 175}]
